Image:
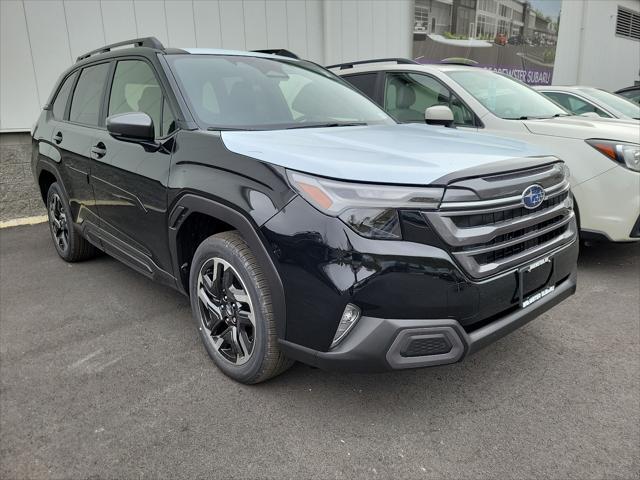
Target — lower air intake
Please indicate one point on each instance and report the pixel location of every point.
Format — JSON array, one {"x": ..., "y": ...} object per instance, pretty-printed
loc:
[{"x": 428, "y": 345}]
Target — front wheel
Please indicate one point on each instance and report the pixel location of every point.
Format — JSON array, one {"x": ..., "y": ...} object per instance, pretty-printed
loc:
[{"x": 232, "y": 308}]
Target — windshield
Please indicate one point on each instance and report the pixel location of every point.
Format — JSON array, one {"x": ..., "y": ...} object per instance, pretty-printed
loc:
[
  {"x": 616, "y": 102},
  {"x": 504, "y": 96},
  {"x": 253, "y": 93}
]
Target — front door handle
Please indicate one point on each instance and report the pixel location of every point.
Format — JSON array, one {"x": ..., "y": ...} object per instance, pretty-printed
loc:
[
  {"x": 98, "y": 151},
  {"x": 57, "y": 138}
]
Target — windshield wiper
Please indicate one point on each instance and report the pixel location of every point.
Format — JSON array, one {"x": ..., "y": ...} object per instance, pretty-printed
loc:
[
  {"x": 229, "y": 129},
  {"x": 329, "y": 124},
  {"x": 526, "y": 117}
]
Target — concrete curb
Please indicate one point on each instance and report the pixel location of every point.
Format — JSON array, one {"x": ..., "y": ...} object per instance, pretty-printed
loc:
[{"x": 16, "y": 222}]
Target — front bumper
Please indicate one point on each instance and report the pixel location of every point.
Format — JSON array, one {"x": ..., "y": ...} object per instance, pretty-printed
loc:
[
  {"x": 398, "y": 285},
  {"x": 609, "y": 205},
  {"x": 377, "y": 344}
]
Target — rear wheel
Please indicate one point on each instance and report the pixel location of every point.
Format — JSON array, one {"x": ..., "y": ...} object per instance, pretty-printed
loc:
[
  {"x": 231, "y": 304},
  {"x": 70, "y": 245}
]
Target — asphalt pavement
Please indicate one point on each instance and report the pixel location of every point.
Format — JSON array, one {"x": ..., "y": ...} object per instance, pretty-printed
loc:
[{"x": 102, "y": 375}]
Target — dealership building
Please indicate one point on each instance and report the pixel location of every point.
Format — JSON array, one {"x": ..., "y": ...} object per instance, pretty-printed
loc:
[{"x": 598, "y": 43}]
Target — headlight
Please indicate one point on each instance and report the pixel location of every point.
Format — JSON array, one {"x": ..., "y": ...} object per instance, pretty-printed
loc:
[
  {"x": 628, "y": 154},
  {"x": 369, "y": 209}
]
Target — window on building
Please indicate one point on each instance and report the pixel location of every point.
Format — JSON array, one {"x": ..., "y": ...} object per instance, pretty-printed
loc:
[
  {"x": 486, "y": 27},
  {"x": 87, "y": 97},
  {"x": 136, "y": 89},
  {"x": 488, "y": 6},
  {"x": 60, "y": 103},
  {"x": 408, "y": 95},
  {"x": 421, "y": 16},
  {"x": 628, "y": 23}
]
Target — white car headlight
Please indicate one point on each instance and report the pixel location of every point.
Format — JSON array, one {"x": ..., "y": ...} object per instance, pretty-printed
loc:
[
  {"x": 369, "y": 209},
  {"x": 628, "y": 154}
]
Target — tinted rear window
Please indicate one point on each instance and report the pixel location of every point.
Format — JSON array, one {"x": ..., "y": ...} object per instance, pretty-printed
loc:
[
  {"x": 366, "y": 83},
  {"x": 60, "y": 103},
  {"x": 87, "y": 97}
]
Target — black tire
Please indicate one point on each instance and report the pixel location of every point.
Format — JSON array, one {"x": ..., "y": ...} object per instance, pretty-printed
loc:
[
  {"x": 230, "y": 257},
  {"x": 69, "y": 244}
]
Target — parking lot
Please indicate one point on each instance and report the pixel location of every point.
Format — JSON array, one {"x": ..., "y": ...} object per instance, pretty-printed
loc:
[{"x": 103, "y": 375}]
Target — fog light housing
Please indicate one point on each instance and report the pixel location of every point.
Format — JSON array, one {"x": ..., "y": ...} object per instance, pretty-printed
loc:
[{"x": 350, "y": 317}]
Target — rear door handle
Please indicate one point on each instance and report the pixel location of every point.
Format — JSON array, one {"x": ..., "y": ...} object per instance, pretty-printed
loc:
[
  {"x": 98, "y": 151},
  {"x": 57, "y": 137}
]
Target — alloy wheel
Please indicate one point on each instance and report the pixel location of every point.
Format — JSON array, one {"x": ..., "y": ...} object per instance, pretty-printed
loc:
[
  {"x": 58, "y": 222},
  {"x": 225, "y": 311}
]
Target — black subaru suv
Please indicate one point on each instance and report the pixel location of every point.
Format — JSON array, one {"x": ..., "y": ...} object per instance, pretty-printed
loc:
[{"x": 301, "y": 220}]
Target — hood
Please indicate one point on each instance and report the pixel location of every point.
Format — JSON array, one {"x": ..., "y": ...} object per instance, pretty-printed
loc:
[
  {"x": 586, "y": 127},
  {"x": 410, "y": 154}
]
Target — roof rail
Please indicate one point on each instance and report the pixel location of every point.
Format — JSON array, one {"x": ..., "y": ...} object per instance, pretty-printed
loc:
[
  {"x": 278, "y": 51},
  {"x": 151, "y": 42},
  {"x": 399, "y": 61}
]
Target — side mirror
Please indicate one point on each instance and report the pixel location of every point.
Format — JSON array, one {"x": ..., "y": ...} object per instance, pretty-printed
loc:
[
  {"x": 439, "y": 115},
  {"x": 590, "y": 115},
  {"x": 136, "y": 127}
]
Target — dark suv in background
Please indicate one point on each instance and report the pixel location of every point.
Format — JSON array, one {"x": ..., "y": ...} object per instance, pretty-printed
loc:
[{"x": 301, "y": 220}]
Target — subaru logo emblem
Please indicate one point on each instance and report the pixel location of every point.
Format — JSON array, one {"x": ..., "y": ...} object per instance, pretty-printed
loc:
[{"x": 533, "y": 196}]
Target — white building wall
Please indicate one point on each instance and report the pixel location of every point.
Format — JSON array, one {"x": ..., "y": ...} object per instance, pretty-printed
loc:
[
  {"x": 589, "y": 52},
  {"x": 41, "y": 38}
]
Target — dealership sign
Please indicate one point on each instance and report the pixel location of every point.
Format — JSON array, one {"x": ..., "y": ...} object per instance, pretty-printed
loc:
[{"x": 506, "y": 36}]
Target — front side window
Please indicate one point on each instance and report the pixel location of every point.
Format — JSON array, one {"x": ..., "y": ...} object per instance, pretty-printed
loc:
[
  {"x": 87, "y": 96},
  {"x": 60, "y": 103},
  {"x": 505, "y": 96},
  {"x": 241, "y": 92},
  {"x": 408, "y": 95},
  {"x": 574, "y": 104},
  {"x": 136, "y": 89}
]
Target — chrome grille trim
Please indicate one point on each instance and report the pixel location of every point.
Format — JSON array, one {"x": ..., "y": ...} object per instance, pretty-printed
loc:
[
  {"x": 483, "y": 270},
  {"x": 566, "y": 218},
  {"x": 487, "y": 237},
  {"x": 508, "y": 202},
  {"x": 460, "y": 237}
]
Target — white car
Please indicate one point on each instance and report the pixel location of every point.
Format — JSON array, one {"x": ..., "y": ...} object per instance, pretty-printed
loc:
[
  {"x": 590, "y": 100},
  {"x": 603, "y": 155}
]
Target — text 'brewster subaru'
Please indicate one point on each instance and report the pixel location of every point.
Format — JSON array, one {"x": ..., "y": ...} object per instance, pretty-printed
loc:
[{"x": 302, "y": 221}]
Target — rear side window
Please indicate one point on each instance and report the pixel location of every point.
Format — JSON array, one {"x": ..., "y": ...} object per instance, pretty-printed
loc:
[
  {"x": 366, "y": 83},
  {"x": 136, "y": 89},
  {"x": 574, "y": 104},
  {"x": 60, "y": 103},
  {"x": 87, "y": 97}
]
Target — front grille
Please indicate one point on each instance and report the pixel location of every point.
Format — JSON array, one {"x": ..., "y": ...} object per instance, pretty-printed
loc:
[
  {"x": 496, "y": 234},
  {"x": 503, "y": 253},
  {"x": 475, "y": 220}
]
